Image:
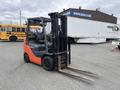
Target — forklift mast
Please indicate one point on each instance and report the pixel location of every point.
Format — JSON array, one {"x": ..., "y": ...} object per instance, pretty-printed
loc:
[
  {"x": 59, "y": 32},
  {"x": 60, "y": 45}
]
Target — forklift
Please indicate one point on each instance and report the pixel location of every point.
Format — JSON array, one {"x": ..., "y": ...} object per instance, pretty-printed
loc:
[{"x": 50, "y": 50}]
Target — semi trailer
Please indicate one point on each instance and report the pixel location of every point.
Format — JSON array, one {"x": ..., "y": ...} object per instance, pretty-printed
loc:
[
  {"x": 90, "y": 31},
  {"x": 82, "y": 30}
]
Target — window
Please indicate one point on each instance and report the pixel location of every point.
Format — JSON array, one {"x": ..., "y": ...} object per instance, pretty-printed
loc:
[
  {"x": 9, "y": 29},
  {"x": 18, "y": 29},
  {"x": 13, "y": 29},
  {"x": 23, "y": 30},
  {"x": 3, "y": 29}
]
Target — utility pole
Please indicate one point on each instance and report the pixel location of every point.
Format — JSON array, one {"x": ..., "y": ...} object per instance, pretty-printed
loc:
[{"x": 20, "y": 17}]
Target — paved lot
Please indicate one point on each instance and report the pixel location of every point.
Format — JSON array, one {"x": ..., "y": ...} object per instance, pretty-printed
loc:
[{"x": 98, "y": 59}]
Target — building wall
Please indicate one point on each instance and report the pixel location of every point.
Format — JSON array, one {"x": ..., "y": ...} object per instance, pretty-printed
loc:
[{"x": 90, "y": 14}]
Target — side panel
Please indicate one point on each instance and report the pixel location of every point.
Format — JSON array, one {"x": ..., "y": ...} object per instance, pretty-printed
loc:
[
  {"x": 87, "y": 28},
  {"x": 7, "y": 35},
  {"x": 20, "y": 35},
  {"x": 4, "y": 36},
  {"x": 32, "y": 57}
]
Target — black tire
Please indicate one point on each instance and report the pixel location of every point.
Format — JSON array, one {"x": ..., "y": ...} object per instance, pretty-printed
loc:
[
  {"x": 13, "y": 38},
  {"x": 119, "y": 47},
  {"x": 26, "y": 58},
  {"x": 48, "y": 63}
]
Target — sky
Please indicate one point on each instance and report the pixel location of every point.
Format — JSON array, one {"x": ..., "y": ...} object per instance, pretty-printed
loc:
[{"x": 10, "y": 9}]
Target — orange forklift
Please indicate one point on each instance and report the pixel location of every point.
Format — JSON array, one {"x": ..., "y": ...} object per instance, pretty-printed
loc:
[{"x": 50, "y": 49}]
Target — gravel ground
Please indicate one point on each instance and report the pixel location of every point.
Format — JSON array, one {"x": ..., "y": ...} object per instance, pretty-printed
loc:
[{"x": 97, "y": 59}]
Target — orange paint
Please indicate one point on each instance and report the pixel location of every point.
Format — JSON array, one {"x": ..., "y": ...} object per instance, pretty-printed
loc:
[{"x": 32, "y": 57}]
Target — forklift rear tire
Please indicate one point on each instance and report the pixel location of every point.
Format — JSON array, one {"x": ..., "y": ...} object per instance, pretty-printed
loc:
[
  {"x": 26, "y": 58},
  {"x": 48, "y": 63}
]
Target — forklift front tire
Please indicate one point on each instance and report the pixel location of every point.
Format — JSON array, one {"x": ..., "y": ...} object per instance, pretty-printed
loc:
[
  {"x": 48, "y": 63},
  {"x": 26, "y": 58}
]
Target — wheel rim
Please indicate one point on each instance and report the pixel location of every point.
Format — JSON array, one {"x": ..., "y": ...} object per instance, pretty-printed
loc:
[{"x": 46, "y": 63}]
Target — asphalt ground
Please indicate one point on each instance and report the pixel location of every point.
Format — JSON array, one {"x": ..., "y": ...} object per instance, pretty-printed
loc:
[{"x": 98, "y": 59}]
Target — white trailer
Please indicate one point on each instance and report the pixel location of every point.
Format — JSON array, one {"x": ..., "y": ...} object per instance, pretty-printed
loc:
[{"x": 90, "y": 31}]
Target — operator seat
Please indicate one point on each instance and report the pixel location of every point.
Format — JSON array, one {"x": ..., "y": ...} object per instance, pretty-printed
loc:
[{"x": 39, "y": 37}]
